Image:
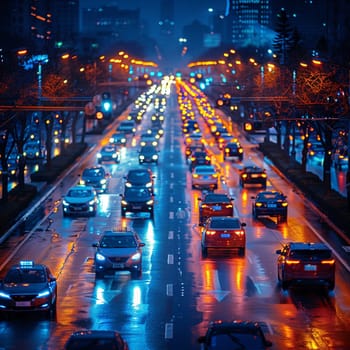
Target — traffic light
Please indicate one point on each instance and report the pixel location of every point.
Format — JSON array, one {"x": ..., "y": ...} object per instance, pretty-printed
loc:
[{"x": 106, "y": 104}]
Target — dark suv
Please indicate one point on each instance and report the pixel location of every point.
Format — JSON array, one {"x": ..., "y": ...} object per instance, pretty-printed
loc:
[
  {"x": 305, "y": 263},
  {"x": 215, "y": 204},
  {"x": 233, "y": 150}
]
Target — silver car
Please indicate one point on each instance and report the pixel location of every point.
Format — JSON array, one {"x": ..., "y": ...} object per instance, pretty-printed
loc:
[{"x": 205, "y": 176}]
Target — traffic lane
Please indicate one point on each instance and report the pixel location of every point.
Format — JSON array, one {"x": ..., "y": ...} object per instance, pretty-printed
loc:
[{"x": 263, "y": 237}]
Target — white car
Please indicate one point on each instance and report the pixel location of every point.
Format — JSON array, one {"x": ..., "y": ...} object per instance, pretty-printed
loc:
[
  {"x": 205, "y": 176},
  {"x": 80, "y": 200}
]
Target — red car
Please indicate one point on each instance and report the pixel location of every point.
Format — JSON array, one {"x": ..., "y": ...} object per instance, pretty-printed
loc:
[
  {"x": 305, "y": 263},
  {"x": 223, "y": 234},
  {"x": 215, "y": 204}
]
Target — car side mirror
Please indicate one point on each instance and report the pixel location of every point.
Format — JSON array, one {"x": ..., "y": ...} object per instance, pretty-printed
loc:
[
  {"x": 279, "y": 251},
  {"x": 141, "y": 244},
  {"x": 243, "y": 224},
  {"x": 95, "y": 245}
]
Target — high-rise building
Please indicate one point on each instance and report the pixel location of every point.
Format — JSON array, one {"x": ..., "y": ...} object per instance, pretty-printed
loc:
[
  {"x": 251, "y": 21},
  {"x": 166, "y": 21}
]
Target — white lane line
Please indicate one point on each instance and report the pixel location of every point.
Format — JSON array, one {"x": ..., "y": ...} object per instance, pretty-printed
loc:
[
  {"x": 170, "y": 259},
  {"x": 171, "y": 215},
  {"x": 168, "y": 331},
  {"x": 171, "y": 199},
  {"x": 171, "y": 235},
  {"x": 169, "y": 290}
]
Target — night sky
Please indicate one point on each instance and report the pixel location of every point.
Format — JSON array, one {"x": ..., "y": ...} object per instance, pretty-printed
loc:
[{"x": 186, "y": 11}]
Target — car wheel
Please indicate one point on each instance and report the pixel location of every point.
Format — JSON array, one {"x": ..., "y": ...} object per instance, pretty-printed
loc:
[
  {"x": 122, "y": 213},
  {"x": 53, "y": 311},
  {"x": 204, "y": 252},
  {"x": 241, "y": 251},
  {"x": 136, "y": 274},
  {"x": 99, "y": 274}
]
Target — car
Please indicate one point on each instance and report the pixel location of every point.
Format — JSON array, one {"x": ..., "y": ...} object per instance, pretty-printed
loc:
[
  {"x": 96, "y": 177},
  {"x": 194, "y": 138},
  {"x": 193, "y": 148},
  {"x": 236, "y": 334},
  {"x": 190, "y": 126},
  {"x": 32, "y": 150},
  {"x": 270, "y": 203},
  {"x": 28, "y": 286},
  {"x": 12, "y": 169},
  {"x": 140, "y": 177},
  {"x": 80, "y": 200},
  {"x": 215, "y": 204},
  {"x": 137, "y": 200},
  {"x": 127, "y": 127},
  {"x": 118, "y": 139},
  {"x": 233, "y": 150},
  {"x": 118, "y": 250},
  {"x": 148, "y": 154},
  {"x": 306, "y": 263},
  {"x": 223, "y": 234},
  {"x": 96, "y": 339},
  {"x": 253, "y": 175},
  {"x": 199, "y": 158},
  {"x": 205, "y": 176},
  {"x": 108, "y": 153},
  {"x": 224, "y": 139},
  {"x": 340, "y": 158},
  {"x": 149, "y": 139}
]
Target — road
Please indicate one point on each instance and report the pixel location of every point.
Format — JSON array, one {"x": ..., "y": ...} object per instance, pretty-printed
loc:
[{"x": 179, "y": 292}]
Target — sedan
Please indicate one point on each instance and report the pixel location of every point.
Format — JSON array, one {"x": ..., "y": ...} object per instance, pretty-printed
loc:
[
  {"x": 118, "y": 139},
  {"x": 28, "y": 287},
  {"x": 199, "y": 158},
  {"x": 137, "y": 200},
  {"x": 80, "y": 200},
  {"x": 96, "y": 177},
  {"x": 253, "y": 175},
  {"x": 140, "y": 177},
  {"x": 118, "y": 250},
  {"x": 108, "y": 153},
  {"x": 270, "y": 203},
  {"x": 205, "y": 176},
  {"x": 215, "y": 204},
  {"x": 148, "y": 154},
  {"x": 235, "y": 334},
  {"x": 223, "y": 234}
]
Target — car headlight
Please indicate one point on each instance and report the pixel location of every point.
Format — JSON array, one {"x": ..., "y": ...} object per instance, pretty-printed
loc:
[
  {"x": 142, "y": 156},
  {"x": 149, "y": 184},
  {"x": 82, "y": 182},
  {"x": 92, "y": 202},
  {"x": 99, "y": 155},
  {"x": 136, "y": 256},
  {"x": 155, "y": 156},
  {"x": 124, "y": 202},
  {"x": 4, "y": 295},
  {"x": 44, "y": 293},
  {"x": 103, "y": 181},
  {"x": 65, "y": 203},
  {"x": 150, "y": 202},
  {"x": 128, "y": 184},
  {"x": 100, "y": 257}
]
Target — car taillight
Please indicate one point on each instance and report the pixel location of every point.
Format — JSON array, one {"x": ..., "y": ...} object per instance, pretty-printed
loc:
[
  {"x": 244, "y": 176},
  {"x": 263, "y": 175},
  {"x": 195, "y": 176},
  {"x": 284, "y": 204},
  {"x": 227, "y": 206},
  {"x": 210, "y": 233},
  {"x": 214, "y": 175},
  {"x": 258, "y": 204},
  {"x": 240, "y": 150},
  {"x": 227, "y": 150},
  {"x": 329, "y": 262},
  {"x": 292, "y": 262},
  {"x": 240, "y": 233}
]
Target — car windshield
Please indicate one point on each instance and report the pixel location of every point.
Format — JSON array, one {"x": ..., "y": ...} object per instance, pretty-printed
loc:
[
  {"x": 80, "y": 193},
  {"x": 216, "y": 198},
  {"x": 118, "y": 242},
  {"x": 137, "y": 193},
  {"x": 148, "y": 149},
  {"x": 236, "y": 340},
  {"x": 205, "y": 170},
  {"x": 230, "y": 223},
  {"x": 25, "y": 276},
  {"x": 91, "y": 343},
  {"x": 138, "y": 176},
  {"x": 269, "y": 196},
  {"x": 93, "y": 173},
  {"x": 311, "y": 254}
]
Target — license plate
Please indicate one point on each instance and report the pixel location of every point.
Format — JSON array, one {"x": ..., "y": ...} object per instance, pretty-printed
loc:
[
  {"x": 216, "y": 207},
  {"x": 309, "y": 267},
  {"x": 225, "y": 235},
  {"x": 23, "y": 303},
  {"x": 254, "y": 176},
  {"x": 118, "y": 266},
  {"x": 136, "y": 207},
  {"x": 271, "y": 205}
]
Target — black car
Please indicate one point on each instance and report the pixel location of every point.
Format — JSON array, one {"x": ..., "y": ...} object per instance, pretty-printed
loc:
[
  {"x": 233, "y": 150},
  {"x": 118, "y": 250},
  {"x": 215, "y": 204},
  {"x": 141, "y": 177},
  {"x": 96, "y": 339},
  {"x": 127, "y": 127},
  {"x": 118, "y": 139},
  {"x": 253, "y": 175},
  {"x": 199, "y": 158},
  {"x": 148, "y": 154},
  {"x": 137, "y": 200},
  {"x": 28, "y": 287},
  {"x": 270, "y": 203},
  {"x": 229, "y": 335},
  {"x": 96, "y": 177}
]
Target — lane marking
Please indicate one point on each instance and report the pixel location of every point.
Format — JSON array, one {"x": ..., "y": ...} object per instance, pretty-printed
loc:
[
  {"x": 169, "y": 290},
  {"x": 170, "y": 259},
  {"x": 171, "y": 235},
  {"x": 168, "y": 331}
]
